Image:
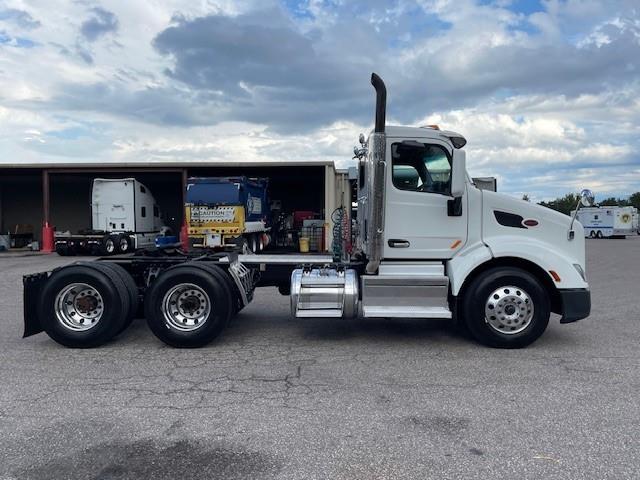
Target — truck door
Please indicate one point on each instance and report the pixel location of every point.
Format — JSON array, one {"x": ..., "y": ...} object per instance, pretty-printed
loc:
[{"x": 417, "y": 220}]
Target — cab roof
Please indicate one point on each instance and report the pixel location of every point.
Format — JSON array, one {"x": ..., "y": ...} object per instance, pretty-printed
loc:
[{"x": 420, "y": 132}]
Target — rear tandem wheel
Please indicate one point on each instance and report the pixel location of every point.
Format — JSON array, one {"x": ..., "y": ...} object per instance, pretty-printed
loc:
[
  {"x": 189, "y": 305},
  {"x": 83, "y": 306}
]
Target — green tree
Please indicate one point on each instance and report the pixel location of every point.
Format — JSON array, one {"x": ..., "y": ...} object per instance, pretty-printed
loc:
[
  {"x": 563, "y": 204},
  {"x": 614, "y": 202},
  {"x": 634, "y": 200}
]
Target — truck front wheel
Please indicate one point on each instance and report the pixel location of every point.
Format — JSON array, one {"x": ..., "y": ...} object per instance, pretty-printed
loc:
[
  {"x": 505, "y": 307},
  {"x": 187, "y": 306}
]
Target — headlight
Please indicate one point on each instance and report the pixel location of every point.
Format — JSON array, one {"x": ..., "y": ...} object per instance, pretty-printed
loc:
[{"x": 580, "y": 271}]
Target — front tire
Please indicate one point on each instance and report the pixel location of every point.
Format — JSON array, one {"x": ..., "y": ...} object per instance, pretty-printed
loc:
[
  {"x": 506, "y": 307},
  {"x": 188, "y": 306}
]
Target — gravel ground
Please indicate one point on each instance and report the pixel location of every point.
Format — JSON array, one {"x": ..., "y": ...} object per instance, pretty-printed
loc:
[{"x": 276, "y": 397}]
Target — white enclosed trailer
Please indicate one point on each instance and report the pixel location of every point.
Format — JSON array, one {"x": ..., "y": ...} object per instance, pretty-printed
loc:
[
  {"x": 607, "y": 222},
  {"x": 428, "y": 244},
  {"x": 124, "y": 216}
]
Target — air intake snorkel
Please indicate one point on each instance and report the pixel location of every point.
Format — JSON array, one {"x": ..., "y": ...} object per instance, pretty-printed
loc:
[{"x": 375, "y": 182}]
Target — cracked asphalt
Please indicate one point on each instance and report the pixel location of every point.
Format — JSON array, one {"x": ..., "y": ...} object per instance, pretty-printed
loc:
[{"x": 281, "y": 398}]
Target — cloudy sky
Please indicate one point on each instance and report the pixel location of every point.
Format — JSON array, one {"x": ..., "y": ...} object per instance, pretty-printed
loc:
[{"x": 547, "y": 92}]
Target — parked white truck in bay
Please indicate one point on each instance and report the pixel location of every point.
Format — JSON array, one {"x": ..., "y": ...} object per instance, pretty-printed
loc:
[
  {"x": 124, "y": 216},
  {"x": 608, "y": 221}
]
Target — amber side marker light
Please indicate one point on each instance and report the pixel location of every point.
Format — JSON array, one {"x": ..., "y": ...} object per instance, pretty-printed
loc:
[{"x": 555, "y": 275}]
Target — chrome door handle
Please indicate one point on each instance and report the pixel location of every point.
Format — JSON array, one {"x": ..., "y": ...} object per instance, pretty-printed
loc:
[{"x": 395, "y": 243}]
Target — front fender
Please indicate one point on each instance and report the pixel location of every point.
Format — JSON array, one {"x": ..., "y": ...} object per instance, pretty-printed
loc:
[
  {"x": 535, "y": 251},
  {"x": 465, "y": 262},
  {"x": 543, "y": 255}
]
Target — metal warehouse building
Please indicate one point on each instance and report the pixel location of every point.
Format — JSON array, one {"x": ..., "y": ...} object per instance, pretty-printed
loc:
[{"x": 59, "y": 195}]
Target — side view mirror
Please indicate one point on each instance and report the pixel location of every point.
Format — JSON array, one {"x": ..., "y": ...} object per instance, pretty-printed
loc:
[
  {"x": 458, "y": 173},
  {"x": 587, "y": 199}
]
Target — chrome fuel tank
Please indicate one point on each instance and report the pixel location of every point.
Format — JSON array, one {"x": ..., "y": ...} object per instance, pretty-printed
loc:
[{"x": 324, "y": 292}]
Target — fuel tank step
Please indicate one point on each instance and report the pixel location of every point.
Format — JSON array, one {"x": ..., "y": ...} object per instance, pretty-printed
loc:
[{"x": 404, "y": 291}]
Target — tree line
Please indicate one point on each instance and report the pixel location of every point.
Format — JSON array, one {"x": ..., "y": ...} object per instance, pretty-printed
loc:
[{"x": 568, "y": 202}]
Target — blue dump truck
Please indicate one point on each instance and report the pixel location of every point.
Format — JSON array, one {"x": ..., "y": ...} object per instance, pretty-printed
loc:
[{"x": 223, "y": 212}]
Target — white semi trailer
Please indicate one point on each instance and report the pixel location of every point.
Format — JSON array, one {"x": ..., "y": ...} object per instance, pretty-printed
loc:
[
  {"x": 429, "y": 244},
  {"x": 608, "y": 221},
  {"x": 124, "y": 216}
]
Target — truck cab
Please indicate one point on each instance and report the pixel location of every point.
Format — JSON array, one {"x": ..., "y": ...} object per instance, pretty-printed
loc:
[{"x": 433, "y": 245}]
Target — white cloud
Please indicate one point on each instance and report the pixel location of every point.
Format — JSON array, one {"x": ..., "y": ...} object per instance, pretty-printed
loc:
[{"x": 541, "y": 100}]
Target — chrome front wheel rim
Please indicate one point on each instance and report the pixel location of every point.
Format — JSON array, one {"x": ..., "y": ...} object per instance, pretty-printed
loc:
[
  {"x": 186, "y": 307},
  {"x": 79, "y": 307},
  {"x": 509, "y": 310}
]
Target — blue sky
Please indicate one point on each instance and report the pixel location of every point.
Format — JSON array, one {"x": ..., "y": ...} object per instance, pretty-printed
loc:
[{"x": 547, "y": 92}]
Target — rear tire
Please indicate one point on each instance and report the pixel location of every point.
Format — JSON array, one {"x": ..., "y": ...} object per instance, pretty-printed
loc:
[
  {"x": 592, "y": 234},
  {"x": 124, "y": 243},
  {"x": 130, "y": 287},
  {"x": 599, "y": 234},
  {"x": 505, "y": 307},
  {"x": 108, "y": 246},
  {"x": 188, "y": 306},
  {"x": 224, "y": 277},
  {"x": 62, "y": 249},
  {"x": 83, "y": 306}
]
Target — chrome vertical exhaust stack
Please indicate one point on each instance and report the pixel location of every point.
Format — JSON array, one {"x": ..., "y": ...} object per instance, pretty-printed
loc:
[
  {"x": 375, "y": 172},
  {"x": 381, "y": 102}
]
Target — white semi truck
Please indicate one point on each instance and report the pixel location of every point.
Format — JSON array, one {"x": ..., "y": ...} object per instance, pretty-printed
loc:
[
  {"x": 429, "y": 244},
  {"x": 124, "y": 216},
  {"x": 608, "y": 221}
]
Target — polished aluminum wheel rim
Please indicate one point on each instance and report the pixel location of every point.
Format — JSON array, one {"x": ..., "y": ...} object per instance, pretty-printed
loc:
[
  {"x": 109, "y": 245},
  {"x": 509, "y": 310},
  {"x": 186, "y": 307},
  {"x": 79, "y": 307}
]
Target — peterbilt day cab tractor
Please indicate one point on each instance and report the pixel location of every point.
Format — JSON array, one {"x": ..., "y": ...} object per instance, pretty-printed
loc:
[{"x": 429, "y": 244}]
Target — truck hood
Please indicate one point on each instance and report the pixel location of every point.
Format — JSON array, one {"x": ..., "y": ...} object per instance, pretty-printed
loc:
[{"x": 529, "y": 223}]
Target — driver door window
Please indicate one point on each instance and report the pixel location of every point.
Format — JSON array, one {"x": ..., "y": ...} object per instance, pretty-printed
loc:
[{"x": 421, "y": 168}]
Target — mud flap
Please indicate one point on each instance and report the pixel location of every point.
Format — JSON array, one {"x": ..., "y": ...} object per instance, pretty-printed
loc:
[{"x": 31, "y": 297}]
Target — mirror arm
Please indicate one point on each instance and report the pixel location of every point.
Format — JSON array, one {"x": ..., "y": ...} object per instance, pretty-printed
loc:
[{"x": 584, "y": 194}]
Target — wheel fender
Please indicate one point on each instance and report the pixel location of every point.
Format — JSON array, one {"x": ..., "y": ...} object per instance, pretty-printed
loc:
[{"x": 460, "y": 266}]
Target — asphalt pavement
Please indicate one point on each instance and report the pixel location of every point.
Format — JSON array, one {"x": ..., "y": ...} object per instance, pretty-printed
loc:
[{"x": 277, "y": 397}]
